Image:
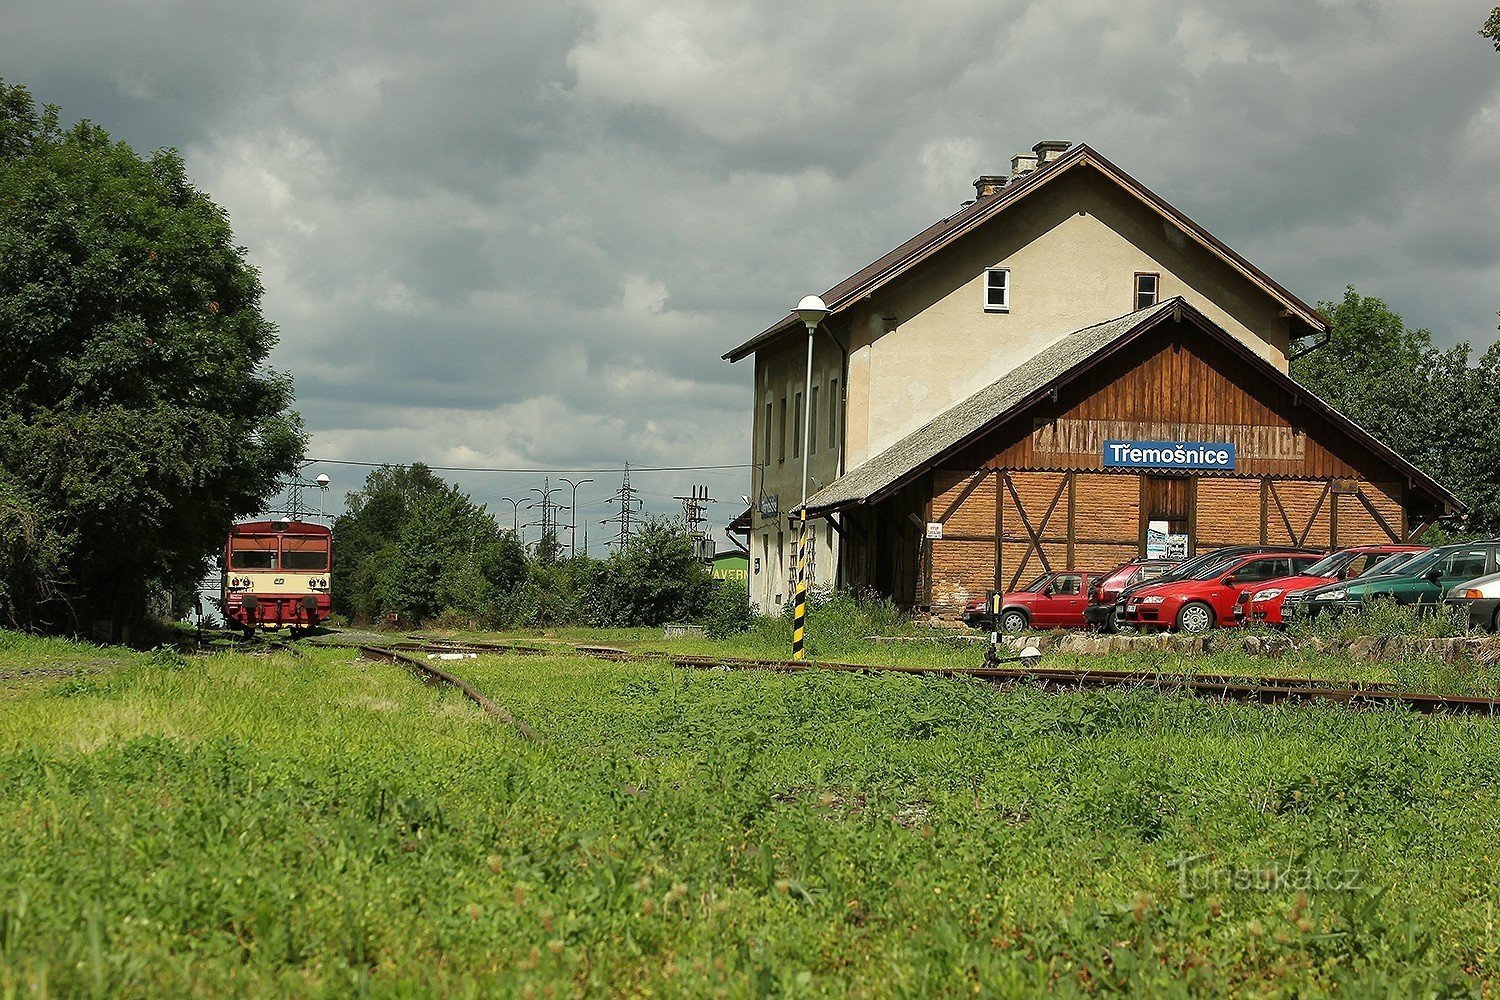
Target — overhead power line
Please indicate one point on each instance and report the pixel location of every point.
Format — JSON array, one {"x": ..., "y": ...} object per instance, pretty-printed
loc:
[{"x": 538, "y": 472}]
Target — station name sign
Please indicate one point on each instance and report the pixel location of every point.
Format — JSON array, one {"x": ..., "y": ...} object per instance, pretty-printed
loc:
[{"x": 1169, "y": 455}]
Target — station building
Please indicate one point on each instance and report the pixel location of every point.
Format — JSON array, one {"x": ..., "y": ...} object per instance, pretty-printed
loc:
[{"x": 1065, "y": 374}]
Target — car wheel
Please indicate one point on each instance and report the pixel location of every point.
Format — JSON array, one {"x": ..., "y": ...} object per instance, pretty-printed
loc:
[
  {"x": 1013, "y": 622},
  {"x": 1195, "y": 618}
]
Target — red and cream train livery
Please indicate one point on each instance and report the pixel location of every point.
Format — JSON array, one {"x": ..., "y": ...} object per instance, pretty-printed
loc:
[{"x": 276, "y": 575}]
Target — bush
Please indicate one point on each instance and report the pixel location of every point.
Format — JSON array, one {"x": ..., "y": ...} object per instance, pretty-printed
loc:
[
  {"x": 726, "y": 612},
  {"x": 655, "y": 579},
  {"x": 1381, "y": 618}
]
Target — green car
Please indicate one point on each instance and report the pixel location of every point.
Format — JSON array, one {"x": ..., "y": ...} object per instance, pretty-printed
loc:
[{"x": 1423, "y": 582}]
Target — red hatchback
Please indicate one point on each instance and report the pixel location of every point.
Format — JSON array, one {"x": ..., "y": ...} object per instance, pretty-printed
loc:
[
  {"x": 1052, "y": 600},
  {"x": 1107, "y": 587},
  {"x": 1208, "y": 599},
  {"x": 1263, "y": 604}
]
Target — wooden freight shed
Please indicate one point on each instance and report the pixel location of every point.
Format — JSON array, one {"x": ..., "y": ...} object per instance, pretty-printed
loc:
[{"x": 1157, "y": 430}]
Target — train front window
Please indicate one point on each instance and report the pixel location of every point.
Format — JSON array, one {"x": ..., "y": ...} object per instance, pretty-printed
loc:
[
  {"x": 306, "y": 553},
  {"x": 252, "y": 553}
]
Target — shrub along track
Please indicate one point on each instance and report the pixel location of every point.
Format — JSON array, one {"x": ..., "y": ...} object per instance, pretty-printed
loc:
[{"x": 1223, "y": 687}]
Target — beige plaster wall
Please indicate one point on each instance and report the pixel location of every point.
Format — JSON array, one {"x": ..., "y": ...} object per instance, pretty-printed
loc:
[{"x": 1073, "y": 249}]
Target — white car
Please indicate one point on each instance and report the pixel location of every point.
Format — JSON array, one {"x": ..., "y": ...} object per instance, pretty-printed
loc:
[{"x": 1479, "y": 600}]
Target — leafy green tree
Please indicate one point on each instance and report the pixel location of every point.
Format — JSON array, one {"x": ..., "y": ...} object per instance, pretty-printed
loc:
[
  {"x": 1491, "y": 28},
  {"x": 137, "y": 415},
  {"x": 1436, "y": 407},
  {"x": 417, "y": 546},
  {"x": 655, "y": 579}
]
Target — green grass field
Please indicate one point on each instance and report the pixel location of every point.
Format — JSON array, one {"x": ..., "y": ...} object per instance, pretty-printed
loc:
[{"x": 302, "y": 823}]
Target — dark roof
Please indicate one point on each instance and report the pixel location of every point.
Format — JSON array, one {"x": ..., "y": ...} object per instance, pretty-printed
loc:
[
  {"x": 1055, "y": 365},
  {"x": 939, "y": 235}
]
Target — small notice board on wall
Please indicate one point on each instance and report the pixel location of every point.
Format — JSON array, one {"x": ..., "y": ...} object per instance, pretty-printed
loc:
[{"x": 1161, "y": 543}]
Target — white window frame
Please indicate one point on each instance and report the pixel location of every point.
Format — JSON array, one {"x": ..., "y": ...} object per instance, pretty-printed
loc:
[
  {"x": 1005, "y": 305},
  {"x": 1155, "y": 277}
]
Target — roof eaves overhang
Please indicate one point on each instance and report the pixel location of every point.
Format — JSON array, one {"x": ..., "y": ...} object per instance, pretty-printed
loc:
[{"x": 1081, "y": 154}]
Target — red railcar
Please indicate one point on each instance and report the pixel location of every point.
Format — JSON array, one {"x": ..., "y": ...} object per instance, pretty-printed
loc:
[{"x": 276, "y": 575}]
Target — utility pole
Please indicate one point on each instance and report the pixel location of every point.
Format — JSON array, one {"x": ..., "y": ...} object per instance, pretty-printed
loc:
[
  {"x": 694, "y": 518},
  {"x": 294, "y": 487},
  {"x": 573, "y": 521},
  {"x": 628, "y": 497}
]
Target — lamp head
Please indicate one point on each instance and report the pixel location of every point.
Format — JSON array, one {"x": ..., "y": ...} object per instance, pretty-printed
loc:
[
  {"x": 812, "y": 311},
  {"x": 323, "y": 481}
]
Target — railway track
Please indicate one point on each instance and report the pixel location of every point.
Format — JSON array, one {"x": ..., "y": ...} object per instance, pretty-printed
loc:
[
  {"x": 430, "y": 674},
  {"x": 1222, "y": 687}
]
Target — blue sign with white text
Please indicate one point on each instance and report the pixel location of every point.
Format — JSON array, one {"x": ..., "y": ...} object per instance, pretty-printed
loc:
[{"x": 1169, "y": 455}]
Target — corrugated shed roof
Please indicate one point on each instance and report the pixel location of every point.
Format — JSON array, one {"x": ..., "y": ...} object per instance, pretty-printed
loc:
[
  {"x": 954, "y": 425},
  {"x": 1024, "y": 383}
]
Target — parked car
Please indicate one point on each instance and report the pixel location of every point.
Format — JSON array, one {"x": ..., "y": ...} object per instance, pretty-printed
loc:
[
  {"x": 1107, "y": 587},
  {"x": 1421, "y": 583},
  {"x": 1479, "y": 602},
  {"x": 1052, "y": 600},
  {"x": 1207, "y": 599},
  {"x": 1263, "y": 606},
  {"x": 1199, "y": 562}
]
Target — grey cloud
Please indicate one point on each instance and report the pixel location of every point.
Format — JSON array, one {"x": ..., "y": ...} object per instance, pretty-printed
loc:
[{"x": 523, "y": 234}]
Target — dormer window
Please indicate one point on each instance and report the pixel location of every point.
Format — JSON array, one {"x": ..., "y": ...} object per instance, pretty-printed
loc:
[
  {"x": 1147, "y": 288},
  {"x": 997, "y": 289}
]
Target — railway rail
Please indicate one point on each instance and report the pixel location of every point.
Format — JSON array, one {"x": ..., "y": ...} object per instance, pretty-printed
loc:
[
  {"x": 1222, "y": 687},
  {"x": 430, "y": 674}
]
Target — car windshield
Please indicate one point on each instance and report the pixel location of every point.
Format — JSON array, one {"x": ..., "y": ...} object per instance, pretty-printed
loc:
[
  {"x": 1189, "y": 570},
  {"x": 1423, "y": 562},
  {"x": 1037, "y": 584},
  {"x": 1211, "y": 569},
  {"x": 1332, "y": 565},
  {"x": 1391, "y": 563}
]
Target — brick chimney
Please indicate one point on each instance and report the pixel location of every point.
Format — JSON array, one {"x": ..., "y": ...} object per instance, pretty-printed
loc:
[
  {"x": 1049, "y": 149},
  {"x": 989, "y": 184}
]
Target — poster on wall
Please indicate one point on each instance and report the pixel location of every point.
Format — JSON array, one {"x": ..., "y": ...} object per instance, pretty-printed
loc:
[{"x": 1162, "y": 543}]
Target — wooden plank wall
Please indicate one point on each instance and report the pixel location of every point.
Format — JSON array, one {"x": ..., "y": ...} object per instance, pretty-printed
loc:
[{"x": 1091, "y": 521}]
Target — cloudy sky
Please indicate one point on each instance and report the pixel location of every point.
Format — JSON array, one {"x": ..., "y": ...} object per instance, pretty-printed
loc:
[{"x": 521, "y": 235}]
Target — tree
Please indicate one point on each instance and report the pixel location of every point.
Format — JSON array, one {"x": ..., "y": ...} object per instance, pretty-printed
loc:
[
  {"x": 1435, "y": 407},
  {"x": 414, "y": 545},
  {"x": 1491, "y": 28},
  {"x": 656, "y": 578},
  {"x": 137, "y": 415}
]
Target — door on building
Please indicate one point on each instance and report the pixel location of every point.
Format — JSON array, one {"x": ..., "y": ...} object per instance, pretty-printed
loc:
[{"x": 1167, "y": 517}]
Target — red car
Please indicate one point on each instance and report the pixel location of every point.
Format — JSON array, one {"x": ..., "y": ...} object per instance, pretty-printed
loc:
[
  {"x": 1264, "y": 603},
  {"x": 1052, "y": 600},
  {"x": 1207, "y": 599},
  {"x": 1107, "y": 587}
]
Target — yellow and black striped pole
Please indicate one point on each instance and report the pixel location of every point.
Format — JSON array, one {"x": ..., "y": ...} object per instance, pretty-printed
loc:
[{"x": 799, "y": 613}]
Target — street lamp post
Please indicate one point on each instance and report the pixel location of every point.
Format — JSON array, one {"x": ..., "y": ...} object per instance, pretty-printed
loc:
[
  {"x": 811, "y": 311},
  {"x": 515, "y": 516},
  {"x": 573, "y": 520}
]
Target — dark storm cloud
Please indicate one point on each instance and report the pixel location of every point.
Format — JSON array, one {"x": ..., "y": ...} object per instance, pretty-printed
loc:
[{"x": 523, "y": 234}]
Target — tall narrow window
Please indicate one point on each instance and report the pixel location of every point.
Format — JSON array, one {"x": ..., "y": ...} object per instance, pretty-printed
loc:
[
  {"x": 812, "y": 423},
  {"x": 766, "y": 457},
  {"x": 833, "y": 412},
  {"x": 797, "y": 426},
  {"x": 781, "y": 433},
  {"x": 1147, "y": 286},
  {"x": 997, "y": 289}
]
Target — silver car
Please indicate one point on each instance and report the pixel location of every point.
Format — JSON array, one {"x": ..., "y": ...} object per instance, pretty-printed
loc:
[{"x": 1479, "y": 601}]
